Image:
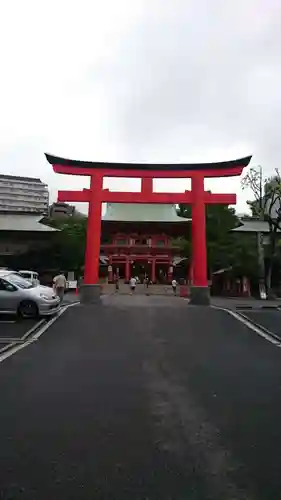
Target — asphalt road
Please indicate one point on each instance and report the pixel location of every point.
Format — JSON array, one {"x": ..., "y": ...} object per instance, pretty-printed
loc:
[
  {"x": 271, "y": 320},
  {"x": 13, "y": 327},
  {"x": 142, "y": 398}
]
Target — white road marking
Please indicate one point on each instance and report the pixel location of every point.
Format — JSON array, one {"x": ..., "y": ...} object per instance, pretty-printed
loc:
[
  {"x": 7, "y": 322},
  {"x": 6, "y": 347},
  {"x": 266, "y": 334},
  {"x": 36, "y": 336},
  {"x": 10, "y": 339},
  {"x": 34, "y": 327}
]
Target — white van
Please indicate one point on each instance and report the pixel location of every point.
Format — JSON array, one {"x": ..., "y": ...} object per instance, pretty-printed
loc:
[{"x": 30, "y": 276}]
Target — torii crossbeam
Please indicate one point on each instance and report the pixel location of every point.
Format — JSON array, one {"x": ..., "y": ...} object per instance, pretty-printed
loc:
[{"x": 197, "y": 197}]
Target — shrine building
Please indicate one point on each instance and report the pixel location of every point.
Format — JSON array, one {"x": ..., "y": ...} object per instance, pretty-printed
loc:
[{"x": 141, "y": 240}]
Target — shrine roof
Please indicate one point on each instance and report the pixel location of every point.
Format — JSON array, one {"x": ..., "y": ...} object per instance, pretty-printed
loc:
[
  {"x": 142, "y": 212},
  {"x": 241, "y": 162},
  {"x": 252, "y": 226},
  {"x": 24, "y": 222}
]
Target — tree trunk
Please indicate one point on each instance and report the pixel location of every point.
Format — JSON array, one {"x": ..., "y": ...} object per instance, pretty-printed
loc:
[
  {"x": 261, "y": 264},
  {"x": 270, "y": 293}
]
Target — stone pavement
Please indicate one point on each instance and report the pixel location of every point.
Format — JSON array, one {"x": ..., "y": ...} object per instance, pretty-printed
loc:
[
  {"x": 124, "y": 289},
  {"x": 142, "y": 398}
]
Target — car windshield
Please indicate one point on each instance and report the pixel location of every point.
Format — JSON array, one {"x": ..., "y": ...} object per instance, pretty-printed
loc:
[
  {"x": 24, "y": 275},
  {"x": 17, "y": 280}
]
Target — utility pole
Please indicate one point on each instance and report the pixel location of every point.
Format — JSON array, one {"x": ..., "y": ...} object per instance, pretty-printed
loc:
[{"x": 260, "y": 246}]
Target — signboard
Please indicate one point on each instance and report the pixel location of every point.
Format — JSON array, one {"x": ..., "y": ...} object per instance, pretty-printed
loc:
[{"x": 72, "y": 284}]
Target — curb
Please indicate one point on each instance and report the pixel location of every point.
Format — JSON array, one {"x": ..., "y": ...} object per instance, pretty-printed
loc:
[{"x": 243, "y": 306}]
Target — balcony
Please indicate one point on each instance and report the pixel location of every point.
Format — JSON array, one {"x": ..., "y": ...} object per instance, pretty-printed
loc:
[{"x": 139, "y": 247}]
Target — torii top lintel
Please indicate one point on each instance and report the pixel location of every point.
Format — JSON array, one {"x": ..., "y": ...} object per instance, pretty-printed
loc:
[{"x": 148, "y": 170}]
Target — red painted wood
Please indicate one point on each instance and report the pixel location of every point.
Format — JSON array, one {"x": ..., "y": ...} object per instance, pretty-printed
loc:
[
  {"x": 91, "y": 276},
  {"x": 199, "y": 252},
  {"x": 153, "y": 270},
  {"x": 152, "y": 174},
  {"x": 146, "y": 186},
  {"x": 220, "y": 198},
  {"x": 74, "y": 196},
  {"x": 158, "y": 198},
  {"x": 198, "y": 198},
  {"x": 127, "y": 269},
  {"x": 145, "y": 197}
]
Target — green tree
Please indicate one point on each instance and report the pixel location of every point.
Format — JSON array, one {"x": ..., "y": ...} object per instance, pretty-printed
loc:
[
  {"x": 219, "y": 221},
  {"x": 266, "y": 206},
  {"x": 65, "y": 251},
  {"x": 225, "y": 248},
  {"x": 71, "y": 242}
]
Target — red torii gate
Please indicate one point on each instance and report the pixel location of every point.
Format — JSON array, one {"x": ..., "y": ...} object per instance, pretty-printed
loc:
[{"x": 197, "y": 197}]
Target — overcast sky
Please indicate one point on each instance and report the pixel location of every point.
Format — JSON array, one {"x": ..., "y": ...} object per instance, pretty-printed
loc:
[{"x": 139, "y": 80}]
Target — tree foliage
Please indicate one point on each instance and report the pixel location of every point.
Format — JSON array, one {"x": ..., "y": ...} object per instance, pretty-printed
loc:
[
  {"x": 64, "y": 251},
  {"x": 225, "y": 248},
  {"x": 267, "y": 196},
  {"x": 266, "y": 205}
]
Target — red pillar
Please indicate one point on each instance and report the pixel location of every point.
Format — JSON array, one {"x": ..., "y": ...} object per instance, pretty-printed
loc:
[
  {"x": 199, "y": 251},
  {"x": 92, "y": 257},
  {"x": 146, "y": 185},
  {"x": 127, "y": 269},
  {"x": 153, "y": 270}
]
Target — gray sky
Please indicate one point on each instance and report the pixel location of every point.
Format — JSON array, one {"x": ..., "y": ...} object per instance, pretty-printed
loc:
[{"x": 139, "y": 80}]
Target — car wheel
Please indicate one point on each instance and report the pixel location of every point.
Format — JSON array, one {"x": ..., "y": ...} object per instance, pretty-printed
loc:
[{"x": 28, "y": 309}]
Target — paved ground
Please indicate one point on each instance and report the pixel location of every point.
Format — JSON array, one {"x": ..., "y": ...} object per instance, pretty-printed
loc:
[
  {"x": 142, "y": 398},
  {"x": 12, "y": 327},
  {"x": 244, "y": 302},
  {"x": 271, "y": 320}
]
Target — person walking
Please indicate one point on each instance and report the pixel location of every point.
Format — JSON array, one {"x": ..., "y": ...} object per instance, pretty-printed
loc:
[
  {"x": 174, "y": 287},
  {"x": 133, "y": 282},
  {"x": 146, "y": 283},
  {"x": 59, "y": 285}
]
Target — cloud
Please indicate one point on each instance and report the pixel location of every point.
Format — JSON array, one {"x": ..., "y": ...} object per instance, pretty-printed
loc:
[{"x": 139, "y": 81}]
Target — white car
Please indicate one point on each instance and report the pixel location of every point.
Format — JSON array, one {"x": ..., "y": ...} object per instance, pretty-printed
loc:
[
  {"x": 19, "y": 296},
  {"x": 31, "y": 276}
]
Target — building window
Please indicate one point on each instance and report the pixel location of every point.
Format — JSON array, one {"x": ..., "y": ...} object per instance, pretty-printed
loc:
[
  {"x": 160, "y": 243},
  {"x": 121, "y": 241}
]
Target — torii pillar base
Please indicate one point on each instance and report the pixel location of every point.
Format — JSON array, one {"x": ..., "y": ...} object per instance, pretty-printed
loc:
[
  {"x": 90, "y": 294},
  {"x": 199, "y": 296}
]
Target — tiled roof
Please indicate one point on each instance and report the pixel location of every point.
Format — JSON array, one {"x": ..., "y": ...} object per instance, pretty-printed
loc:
[
  {"x": 142, "y": 212},
  {"x": 252, "y": 226},
  {"x": 23, "y": 222}
]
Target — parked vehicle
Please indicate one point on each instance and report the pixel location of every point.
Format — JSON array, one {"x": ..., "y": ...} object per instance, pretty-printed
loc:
[
  {"x": 31, "y": 276},
  {"x": 19, "y": 296}
]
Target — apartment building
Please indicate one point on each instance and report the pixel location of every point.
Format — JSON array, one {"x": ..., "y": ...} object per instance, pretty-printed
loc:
[{"x": 23, "y": 195}]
